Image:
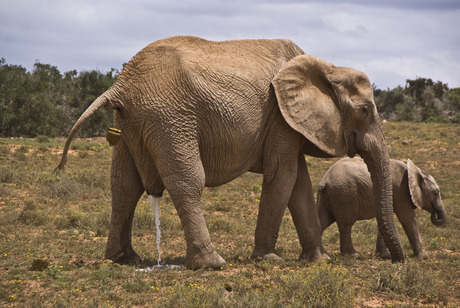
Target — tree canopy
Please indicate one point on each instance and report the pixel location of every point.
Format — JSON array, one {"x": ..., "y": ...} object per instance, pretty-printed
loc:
[
  {"x": 46, "y": 102},
  {"x": 421, "y": 100}
]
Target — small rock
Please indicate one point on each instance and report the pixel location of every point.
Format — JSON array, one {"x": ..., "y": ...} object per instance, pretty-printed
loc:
[
  {"x": 106, "y": 264},
  {"x": 228, "y": 287},
  {"x": 39, "y": 265},
  {"x": 78, "y": 263},
  {"x": 405, "y": 142}
]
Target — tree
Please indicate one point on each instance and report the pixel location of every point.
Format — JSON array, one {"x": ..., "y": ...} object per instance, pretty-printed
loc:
[
  {"x": 14, "y": 85},
  {"x": 417, "y": 86},
  {"x": 387, "y": 102},
  {"x": 46, "y": 102}
]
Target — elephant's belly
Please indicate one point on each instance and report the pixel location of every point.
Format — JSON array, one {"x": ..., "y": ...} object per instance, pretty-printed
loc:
[
  {"x": 231, "y": 145},
  {"x": 367, "y": 211},
  {"x": 223, "y": 171},
  {"x": 224, "y": 164}
]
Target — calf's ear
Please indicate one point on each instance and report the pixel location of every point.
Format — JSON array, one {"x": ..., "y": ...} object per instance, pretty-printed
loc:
[{"x": 415, "y": 183}]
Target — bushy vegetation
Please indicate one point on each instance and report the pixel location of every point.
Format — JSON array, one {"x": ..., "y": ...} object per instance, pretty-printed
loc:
[
  {"x": 421, "y": 100},
  {"x": 46, "y": 102},
  {"x": 54, "y": 226}
]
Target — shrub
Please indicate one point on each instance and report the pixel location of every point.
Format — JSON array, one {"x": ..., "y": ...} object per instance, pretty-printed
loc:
[
  {"x": 193, "y": 295},
  {"x": 42, "y": 139},
  {"x": 32, "y": 214},
  {"x": 6, "y": 174},
  {"x": 4, "y": 150},
  {"x": 321, "y": 285},
  {"x": 408, "y": 279},
  {"x": 59, "y": 188}
]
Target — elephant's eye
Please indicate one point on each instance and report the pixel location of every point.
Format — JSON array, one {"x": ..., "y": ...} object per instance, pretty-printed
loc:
[{"x": 364, "y": 111}]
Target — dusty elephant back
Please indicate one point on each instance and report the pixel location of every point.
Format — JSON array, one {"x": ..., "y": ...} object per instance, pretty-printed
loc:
[
  {"x": 193, "y": 57},
  {"x": 183, "y": 70}
]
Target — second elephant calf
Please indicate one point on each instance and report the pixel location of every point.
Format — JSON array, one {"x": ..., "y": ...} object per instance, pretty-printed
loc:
[{"x": 345, "y": 195}]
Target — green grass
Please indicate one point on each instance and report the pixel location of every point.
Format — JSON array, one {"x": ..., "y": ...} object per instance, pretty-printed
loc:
[{"x": 61, "y": 220}]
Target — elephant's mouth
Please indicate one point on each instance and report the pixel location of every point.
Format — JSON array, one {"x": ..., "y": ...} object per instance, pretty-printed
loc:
[
  {"x": 438, "y": 217},
  {"x": 351, "y": 143}
]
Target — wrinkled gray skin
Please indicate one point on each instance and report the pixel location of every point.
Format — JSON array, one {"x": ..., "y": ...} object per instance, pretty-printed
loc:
[
  {"x": 345, "y": 195},
  {"x": 196, "y": 113}
]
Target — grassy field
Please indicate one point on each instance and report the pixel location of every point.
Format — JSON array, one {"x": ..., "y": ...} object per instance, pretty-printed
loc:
[{"x": 53, "y": 231}]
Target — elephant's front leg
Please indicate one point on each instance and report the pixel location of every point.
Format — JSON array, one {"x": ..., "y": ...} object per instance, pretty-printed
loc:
[
  {"x": 126, "y": 191},
  {"x": 276, "y": 190},
  {"x": 304, "y": 214},
  {"x": 287, "y": 183},
  {"x": 409, "y": 222},
  {"x": 381, "y": 248}
]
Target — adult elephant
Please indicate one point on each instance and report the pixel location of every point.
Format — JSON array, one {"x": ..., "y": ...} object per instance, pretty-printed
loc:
[{"x": 197, "y": 113}]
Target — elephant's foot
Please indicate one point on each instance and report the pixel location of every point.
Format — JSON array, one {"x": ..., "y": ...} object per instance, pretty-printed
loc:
[
  {"x": 350, "y": 252},
  {"x": 128, "y": 256},
  {"x": 314, "y": 255},
  {"x": 421, "y": 255},
  {"x": 383, "y": 255},
  {"x": 259, "y": 254},
  {"x": 354, "y": 255},
  {"x": 205, "y": 260},
  {"x": 269, "y": 257}
]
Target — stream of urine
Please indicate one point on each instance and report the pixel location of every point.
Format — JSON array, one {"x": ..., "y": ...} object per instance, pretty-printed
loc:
[{"x": 154, "y": 203}]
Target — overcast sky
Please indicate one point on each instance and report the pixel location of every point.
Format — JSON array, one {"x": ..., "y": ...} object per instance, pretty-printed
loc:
[{"x": 390, "y": 40}]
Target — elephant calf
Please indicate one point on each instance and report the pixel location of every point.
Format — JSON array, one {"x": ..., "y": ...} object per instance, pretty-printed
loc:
[{"x": 345, "y": 195}]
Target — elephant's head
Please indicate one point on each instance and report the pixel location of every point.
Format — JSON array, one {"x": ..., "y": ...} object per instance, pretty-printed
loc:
[
  {"x": 425, "y": 193},
  {"x": 333, "y": 108}
]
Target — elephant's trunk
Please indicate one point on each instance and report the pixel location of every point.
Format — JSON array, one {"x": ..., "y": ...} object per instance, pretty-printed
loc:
[
  {"x": 372, "y": 149},
  {"x": 438, "y": 216},
  {"x": 101, "y": 101}
]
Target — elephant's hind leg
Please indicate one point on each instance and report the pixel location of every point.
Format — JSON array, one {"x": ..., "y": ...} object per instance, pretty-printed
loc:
[
  {"x": 185, "y": 185},
  {"x": 346, "y": 243},
  {"x": 326, "y": 218},
  {"x": 126, "y": 191}
]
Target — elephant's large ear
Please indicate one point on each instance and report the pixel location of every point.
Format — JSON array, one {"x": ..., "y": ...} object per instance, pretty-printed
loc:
[
  {"x": 415, "y": 183},
  {"x": 308, "y": 102}
]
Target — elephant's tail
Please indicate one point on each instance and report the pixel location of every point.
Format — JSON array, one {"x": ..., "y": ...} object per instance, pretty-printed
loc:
[
  {"x": 326, "y": 218},
  {"x": 102, "y": 101}
]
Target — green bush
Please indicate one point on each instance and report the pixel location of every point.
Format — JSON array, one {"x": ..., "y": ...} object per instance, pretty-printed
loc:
[
  {"x": 33, "y": 214},
  {"x": 62, "y": 188},
  {"x": 320, "y": 285},
  {"x": 7, "y": 174},
  {"x": 44, "y": 102},
  {"x": 42, "y": 139},
  {"x": 408, "y": 279}
]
